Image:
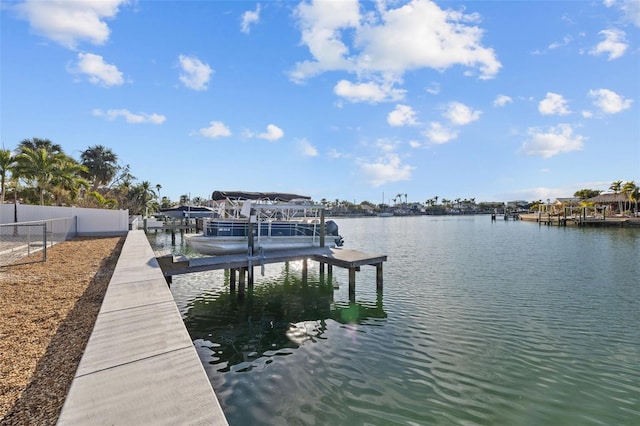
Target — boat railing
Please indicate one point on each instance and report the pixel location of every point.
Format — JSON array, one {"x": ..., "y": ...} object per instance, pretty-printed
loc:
[
  {"x": 267, "y": 211},
  {"x": 236, "y": 228}
]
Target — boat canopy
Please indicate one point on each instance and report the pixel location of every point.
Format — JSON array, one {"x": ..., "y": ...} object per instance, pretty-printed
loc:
[{"x": 264, "y": 196}]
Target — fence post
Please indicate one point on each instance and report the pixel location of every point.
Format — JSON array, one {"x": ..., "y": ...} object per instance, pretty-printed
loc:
[{"x": 44, "y": 239}]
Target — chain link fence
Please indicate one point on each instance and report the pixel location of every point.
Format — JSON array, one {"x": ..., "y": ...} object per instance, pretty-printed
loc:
[{"x": 20, "y": 240}]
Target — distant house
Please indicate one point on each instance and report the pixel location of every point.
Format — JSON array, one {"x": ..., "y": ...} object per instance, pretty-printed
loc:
[
  {"x": 610, "y": 200},
  {"x": 568, "y": 201}
]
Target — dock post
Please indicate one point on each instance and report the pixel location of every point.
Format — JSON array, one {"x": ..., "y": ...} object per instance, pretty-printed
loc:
[
  {"x": 232, "y": 280},
  {"x": 250, "y": 276},
  {"x": 304, "y": 270},
  {"x": 241, "y": 284},
  {"x": 352, "y": 284},
  {"x": 379, "y": 276},
  {"x": 322, "y": 228}
]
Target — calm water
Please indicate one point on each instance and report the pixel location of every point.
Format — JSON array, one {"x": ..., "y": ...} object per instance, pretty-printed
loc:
[{"x": 479, "y": 323}]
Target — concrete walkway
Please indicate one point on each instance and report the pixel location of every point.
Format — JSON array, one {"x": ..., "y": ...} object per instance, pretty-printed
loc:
[{"x": 140, "y": 366}]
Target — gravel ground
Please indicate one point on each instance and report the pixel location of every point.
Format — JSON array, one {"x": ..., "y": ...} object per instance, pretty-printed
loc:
[{"x": 47, "y": 312}]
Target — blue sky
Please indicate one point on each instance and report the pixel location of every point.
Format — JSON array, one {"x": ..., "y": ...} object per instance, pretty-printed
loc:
[{"x": 492, "y": 100}]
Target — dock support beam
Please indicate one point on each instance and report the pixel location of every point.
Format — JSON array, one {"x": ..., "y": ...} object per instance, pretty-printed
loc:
[
  {"x": 232, "y": 280},
  {"x": 242, "y": 279},
  {"x": 305, "y": 270},
  {"x": 352, "y": 284},
  {"x": 379, "y": 277},
  {"x": 250, "y": 276}
]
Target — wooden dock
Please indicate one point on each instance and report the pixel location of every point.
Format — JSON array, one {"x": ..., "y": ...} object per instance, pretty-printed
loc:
[
  {"x": 589, "y": 221},
  {"x": 243, "y": 264}
]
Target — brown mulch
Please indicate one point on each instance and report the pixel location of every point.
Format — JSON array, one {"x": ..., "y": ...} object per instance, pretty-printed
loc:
[{"x": 47, "y": 312}]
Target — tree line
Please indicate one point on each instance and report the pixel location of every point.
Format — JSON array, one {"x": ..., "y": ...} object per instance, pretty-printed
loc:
[
  {"x": 40, "y": 172},
  {"x": 629, "y": 189}
]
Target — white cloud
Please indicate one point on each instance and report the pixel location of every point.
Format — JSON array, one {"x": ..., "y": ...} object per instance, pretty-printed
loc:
[
  {"x": 273, "y": 133},
  {"x": 389, "y": 42},
  {"x": 460, "y": 114},
  {"x": 630, "y": 9},
  {"x": 195, "y": 74},
  {"x": 306, "y": 149},
  {"x": 433, "y": 89},
  {"x": 614, "y": 43},
  {"x": 439, "y": 134},
  {"x": 385, "y": 170},
  {"x": 553, "y": 104},
  {"x": 215, "y": 130},
  {"x": 608, "y": 101},
  {"x": 565, "y": 41},
  {"x": 69, "y": 22},
  {"x": 502, "y": 100},
  {"x": 130, "y": 117},
  {"x": 367, "y": 92},
  {"x": 386, "y": 145},
  {"x": 414, "y": 144},
  {"x": 335, "y": 154},
  {"x": 403, "y": 115},
  {"x": 250, "y": 17},
  {"x": 555, "y": 140},
  {"x": 98, "y": 71}
]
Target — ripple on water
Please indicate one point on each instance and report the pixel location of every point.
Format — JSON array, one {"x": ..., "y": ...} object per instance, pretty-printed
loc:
[{"x": 479, "y": 323}]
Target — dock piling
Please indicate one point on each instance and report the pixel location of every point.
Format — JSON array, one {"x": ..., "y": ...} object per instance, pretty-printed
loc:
[{"x": 232, "y": 280}]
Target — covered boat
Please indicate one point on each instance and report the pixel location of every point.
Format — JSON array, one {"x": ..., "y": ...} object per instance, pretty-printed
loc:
[
  {"x": 255, "y": 221},
  {"x": 180, "y": 212}
]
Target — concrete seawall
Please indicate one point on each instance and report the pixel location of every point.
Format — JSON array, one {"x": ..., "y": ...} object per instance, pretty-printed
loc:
[{"x": 140, "y": 366}]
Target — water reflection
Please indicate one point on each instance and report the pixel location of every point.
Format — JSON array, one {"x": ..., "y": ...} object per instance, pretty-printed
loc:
[{"x": 274, "y": 318}]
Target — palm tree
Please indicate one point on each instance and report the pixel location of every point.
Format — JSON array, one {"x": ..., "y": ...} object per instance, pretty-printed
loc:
[
  {"x": 7, "y": 162},
  {"x": 67, "y": 179},
  {"x": 37, "y": 143},
  {"x": 628, "y": 189},
  {"x": 41, "y": 167},
  {"x": 436, "y": 199},
  {"x": 101, "y": 164},
  {"x": 139, "y": 197},
  {"x": 615, "y": 187},
  {"x": 108, "y": 203}
]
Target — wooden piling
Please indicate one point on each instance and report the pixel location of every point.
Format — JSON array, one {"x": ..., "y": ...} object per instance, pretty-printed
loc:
[
  {"x": 232, "y": 280},
  {"x": 352, "y": 284},
  {"x": 242, "y": 280},
  {"x": 379, "y": 276}
]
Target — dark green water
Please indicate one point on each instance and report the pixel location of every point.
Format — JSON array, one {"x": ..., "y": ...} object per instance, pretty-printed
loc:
[{"x": 479, "y": 323}]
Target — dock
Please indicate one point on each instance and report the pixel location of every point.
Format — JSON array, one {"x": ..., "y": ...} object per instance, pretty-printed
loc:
[
  {"x": 582, "y": 221},
  {"x": 140, "y": 365},
  {"x": 243, "y": 264}
]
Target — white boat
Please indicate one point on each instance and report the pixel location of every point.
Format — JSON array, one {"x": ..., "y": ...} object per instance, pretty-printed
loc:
[{"x": 276, "y": 221}]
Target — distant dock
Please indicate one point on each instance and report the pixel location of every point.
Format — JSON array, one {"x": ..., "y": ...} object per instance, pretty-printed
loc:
[
  {"x": 243, "y": 264},
  {"x": 588, "y": 221}
]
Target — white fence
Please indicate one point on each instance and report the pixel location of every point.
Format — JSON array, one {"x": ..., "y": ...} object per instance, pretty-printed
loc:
[{"x": 89, "y": 222}]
